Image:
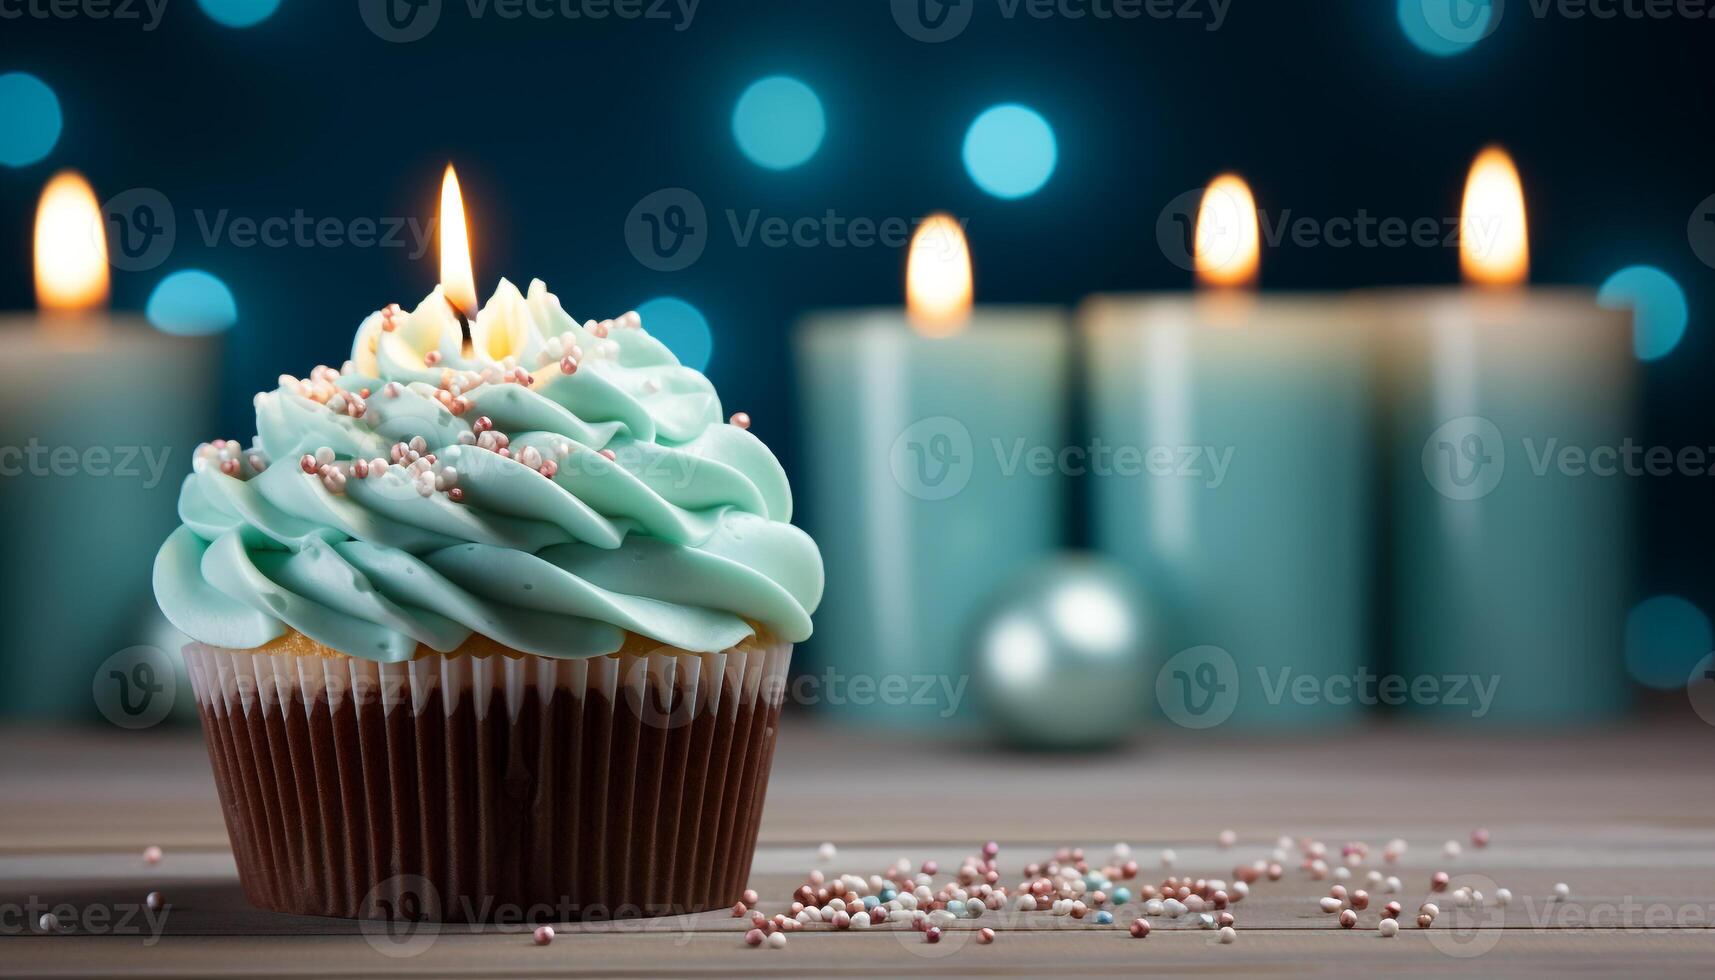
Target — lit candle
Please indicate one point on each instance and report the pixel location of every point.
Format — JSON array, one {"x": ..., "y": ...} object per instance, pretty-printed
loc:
[
  {"x": 1244, "y": 506},
  {"x": 1513, "y": 559},
  {"x": 458, "y": 277},
  {"x": 100, "y": 415},
  {"x": 923, "y": 439}
]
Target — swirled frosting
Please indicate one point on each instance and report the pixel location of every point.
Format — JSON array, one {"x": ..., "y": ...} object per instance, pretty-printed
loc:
[{"x": 550, "y": 486}]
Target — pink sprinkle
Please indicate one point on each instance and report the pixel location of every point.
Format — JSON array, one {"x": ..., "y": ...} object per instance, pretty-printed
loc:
[
  {"x": 483, "y": 424},
  {"x": 878, "y": 914},
  {"x": 456, "y": 495},
  {"x": 1439, "y": 882},
  {"x": 742, "y": 420},
  {"x": 568, "y": 365},
  {"x": 930, "y": 867},
  {"x": 985, "y": 936},
  {"x": 932, "y": 934},
  {"x": 749, "y": 897},
  {"x": 309, "y": 464},
  {"x": 151, "y": 855},
  {"x": 753, "y": 937},
  {"x": 549, "y": 468},
  {"x": 432, "y": 358},
  {"x": 544, "y": 935},
  {"x": 610, "y": 455},
  {"x": 1480, "y": 837},
  {"x": 739, "y": 911},
  {"x": 601, "y": 330},
  {"x": 1139, "y": 928}
]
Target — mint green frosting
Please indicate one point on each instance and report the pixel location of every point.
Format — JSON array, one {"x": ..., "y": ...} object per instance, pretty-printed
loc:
[{"x": 682, "y": 536}]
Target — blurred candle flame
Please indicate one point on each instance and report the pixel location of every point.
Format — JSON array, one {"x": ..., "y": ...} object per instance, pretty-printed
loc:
[
  {"x": 71, "y": 247},
  {"x": 938, "y": 291},
  {"x": 1494, "y": 241},
  {"x": 457, "y": 279},
  {"x": 1228, "y": 238}
]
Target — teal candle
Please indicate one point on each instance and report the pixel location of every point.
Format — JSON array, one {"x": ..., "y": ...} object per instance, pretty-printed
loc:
[
  {"x": 98, "y": 434},
  {"x": 925, "y": 441},
  {"x": 1511, "y": 410},
  {"x": 926, "y": 494},
  {"x": 1512, "y": 504},
  {"x": 1248, "y": 512},
  {"x": 98, "y": 418}
]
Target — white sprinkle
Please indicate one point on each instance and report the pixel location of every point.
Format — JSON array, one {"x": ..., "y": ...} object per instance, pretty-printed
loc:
[
  {"x": 777, "y": 940},
  {"x": 1451, "y": 849},
  {"x": 1430, "y": 909},
  {"x": 49, "y": 922},
  {"x": 1227, "y": 838},
  {"x": 1229, "y": 935},
  {"x": 1342, "y": 873},
  {"x": 1562, "y": 890},
  {"x": 1206, "y": 921},
  {"x": 1153, "y": 907},
  {"x": 1389, "y": 928},
  {"x": 1330, "y": 904},
  {"x": 1392, "y": 885},
  {"x": 1503, "y": 896},
  {"x": 860, "y": 921},
  {"x": 1168, "y": 858}
]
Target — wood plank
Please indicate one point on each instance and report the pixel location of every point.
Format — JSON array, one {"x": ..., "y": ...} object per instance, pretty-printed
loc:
[
  {"x": 1677, "y": 953},
  {"x": 63, "y": 788}
]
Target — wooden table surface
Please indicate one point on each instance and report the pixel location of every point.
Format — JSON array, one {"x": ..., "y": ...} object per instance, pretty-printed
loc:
[{"x": 1626, "y": 817}]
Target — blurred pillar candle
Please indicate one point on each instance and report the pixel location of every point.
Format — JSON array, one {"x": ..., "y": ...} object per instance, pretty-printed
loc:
[
  {"x": 1248, "y": 514},
  {"x": 1512, "y": 546},
  {"x": 99, "y": 415},
  {"x": 925, "y": 438}
]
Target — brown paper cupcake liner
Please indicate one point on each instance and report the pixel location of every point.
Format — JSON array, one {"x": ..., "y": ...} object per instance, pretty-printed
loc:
[{"x": 491, "y": 789}]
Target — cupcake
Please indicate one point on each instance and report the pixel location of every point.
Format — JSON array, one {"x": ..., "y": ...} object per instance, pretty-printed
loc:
[{"x": 491, "y": 626}]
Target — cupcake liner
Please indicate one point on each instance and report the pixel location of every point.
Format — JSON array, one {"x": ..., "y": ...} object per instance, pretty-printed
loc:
[{"x": 514, "y": 788}]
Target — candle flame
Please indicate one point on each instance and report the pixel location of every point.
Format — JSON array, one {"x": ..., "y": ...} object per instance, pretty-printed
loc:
[
  {"x": 938, "y": 291},
  {"x": 1494, "y": 240},
  {"x": 457, "y": 279},
  {"x": 71, "y": 247},
  {"x": 1228, "y": 237}
]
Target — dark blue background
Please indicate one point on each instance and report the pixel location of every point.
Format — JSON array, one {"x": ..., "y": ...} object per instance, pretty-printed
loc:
[{"x": 559, "y": 127}]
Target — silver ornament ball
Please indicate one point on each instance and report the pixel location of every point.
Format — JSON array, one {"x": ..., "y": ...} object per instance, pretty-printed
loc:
[{"x": 1063, "y": 658}]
